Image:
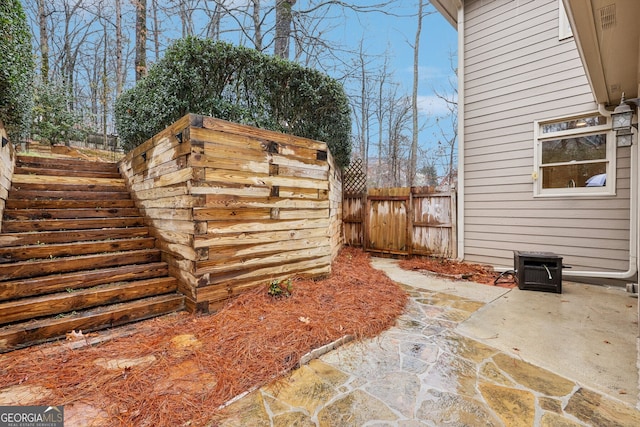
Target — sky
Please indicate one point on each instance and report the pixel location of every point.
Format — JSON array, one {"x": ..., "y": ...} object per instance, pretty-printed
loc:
[
  {"x": 438, "y": 54},
  {"x": 437, "y": 43}
]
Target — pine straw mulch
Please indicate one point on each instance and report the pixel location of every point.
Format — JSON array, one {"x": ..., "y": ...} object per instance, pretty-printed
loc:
[
  {"x": 459, "y": 270},
  {"x": 250, "y": 342}
]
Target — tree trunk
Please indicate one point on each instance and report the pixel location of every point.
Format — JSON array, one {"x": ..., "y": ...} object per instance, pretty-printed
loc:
[
  {"x": 44, "y": 42},
  {"x": 141, "y": 39},
  {"x": 105, "y": 88},
  {"x": 119, "y": 63},
  {"x": 284, "y": 18},
  {"x": 413, "y": 158},
  {"x": 257, "y": 26},
  {"x": 156, "y": 30}
]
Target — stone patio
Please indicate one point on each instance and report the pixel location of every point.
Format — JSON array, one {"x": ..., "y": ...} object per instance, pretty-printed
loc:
[{"x": 423, "y": 372}]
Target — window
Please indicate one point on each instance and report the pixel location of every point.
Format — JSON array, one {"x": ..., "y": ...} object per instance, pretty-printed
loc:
[
  {"x": 564, "y": 28},
  {"x": 574, "y": 156}
]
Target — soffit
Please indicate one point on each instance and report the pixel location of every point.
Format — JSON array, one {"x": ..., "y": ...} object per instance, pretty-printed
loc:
[
  {"x": 448, "y": 9},
  {"x": 607, "y": 33}
]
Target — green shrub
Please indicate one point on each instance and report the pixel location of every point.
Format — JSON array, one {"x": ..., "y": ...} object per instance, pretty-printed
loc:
[
  {"x": 237, "y": 84},
  {"x": 16, "y": 70},
  {"x": 54, "y": 123}
]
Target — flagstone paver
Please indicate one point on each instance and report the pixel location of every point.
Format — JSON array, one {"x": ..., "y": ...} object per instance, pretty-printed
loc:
[{"x": 422, "y": 373}]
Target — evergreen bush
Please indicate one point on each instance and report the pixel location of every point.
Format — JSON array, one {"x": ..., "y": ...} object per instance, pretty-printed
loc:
[
  {"x": 238, "y": 84},
  {"x": 16, "y": 70}
]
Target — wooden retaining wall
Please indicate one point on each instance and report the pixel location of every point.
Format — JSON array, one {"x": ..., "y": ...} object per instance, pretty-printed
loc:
[
  {"x": 235, "y": 207},
  {"x": 402, "y": 221},
  {"x": 7, "y": 165}
]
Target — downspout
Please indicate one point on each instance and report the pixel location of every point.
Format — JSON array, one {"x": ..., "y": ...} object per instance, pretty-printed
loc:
[
  {"x": 460, "y": 189},
  {"x": 633, "y": 223}
]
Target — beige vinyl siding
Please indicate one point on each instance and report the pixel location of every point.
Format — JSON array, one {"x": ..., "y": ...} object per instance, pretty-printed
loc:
[{"x": 517, "y": 72}]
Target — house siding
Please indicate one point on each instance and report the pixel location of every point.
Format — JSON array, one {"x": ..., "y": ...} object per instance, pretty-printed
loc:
[{"x": 516, "y": 72}]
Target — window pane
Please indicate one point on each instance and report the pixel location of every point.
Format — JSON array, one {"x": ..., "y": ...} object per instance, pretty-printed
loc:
[
  {"x": 592, "y": 147},
  {"x": 582, "y": 123},
  {"x": 570, "y": 176}
]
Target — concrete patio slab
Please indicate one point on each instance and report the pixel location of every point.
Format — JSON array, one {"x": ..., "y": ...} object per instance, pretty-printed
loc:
[
  {"x": 588, "y": 333},
  {"x": 436, "y": 283}
]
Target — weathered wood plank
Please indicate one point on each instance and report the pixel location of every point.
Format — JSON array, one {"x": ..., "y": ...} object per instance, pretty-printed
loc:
[
  {"x": 303, "y": 193},
  {"x": 220, "y": 255},
  {"x": 52, "y": 173},
  {"x": 304, "y": 163},
  {"x": 169, "y": 132},
  {"x": 238, "y": 162},
  {"x": 302, "y": 172},
  {"x": 143, "y": 170},
  {"x": 285, "y": 256},
  {"x": 73, "y": 195},
  {"x": 98, "y": 212},
  {"x": 226, "y": 227},
  {"x": 303, "y": 213},
  {"x": 58, "y": 163},
  {"x": 64, "y": 302},
  {"x": 237, "y": 177},
  {"x": 68, "y": 204},
  {"x": 178, "y": 251},
  {"x": 168, "y": 150},
  {"x": 239, "y": 191},
  {"x": 24, "y": 269},
  {"x": 241, "y": 214},
  {"x": 212, "y": 138},
  {"x": 70, "y": 224},
  {"x": 58, "y": 250},
  {"x": 162, "y": 192},
  {"x": 233, "y": 128},
  {"x": 177, "y": 202},
  {"x": 81, "y": 279},
  {"x": 214, "y": 204},
  {"x": 171, "y": 236},
  {"x": 175, "y": 226},
  {"x": 90, "y": 182},
  {"x": 269, "y": 271},
  {"x": 21, "y": 335},
  {"x": 258, "y": 238}
]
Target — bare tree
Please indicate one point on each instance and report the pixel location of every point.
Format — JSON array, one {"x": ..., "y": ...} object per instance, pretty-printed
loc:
[
  {"x": 448, "y": 136},
  {"x": 413, "y": 157},
  {"x": 44, "y": 41},
  {"x": 282, "y": 38},
  {"x": 141, "y": 39},
  {"x": 361, "y": 104},
  {"x": 119, "y": 58},
  {"x": 398, "y": 116}
]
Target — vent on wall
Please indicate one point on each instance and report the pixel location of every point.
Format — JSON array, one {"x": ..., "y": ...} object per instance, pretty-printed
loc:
[{"x": 608, "y": 17}]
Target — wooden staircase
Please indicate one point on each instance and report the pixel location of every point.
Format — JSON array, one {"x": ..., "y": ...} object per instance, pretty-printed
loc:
[{"x": 75, "y": 254}]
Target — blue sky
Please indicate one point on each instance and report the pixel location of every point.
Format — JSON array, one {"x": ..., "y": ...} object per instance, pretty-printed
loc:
[
  {"x": 396, "y": 34},
  {"x": 438, "y": 42}
]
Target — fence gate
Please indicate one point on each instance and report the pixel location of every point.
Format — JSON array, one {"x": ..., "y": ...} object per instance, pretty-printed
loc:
[{"x": 401, "y": 221}]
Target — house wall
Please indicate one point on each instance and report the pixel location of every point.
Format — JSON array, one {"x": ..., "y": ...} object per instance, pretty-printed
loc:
[
  {"x": 234, "y": 207},
  {"x": 518, "y": 71},
  {"x": 7, "y": 164}
]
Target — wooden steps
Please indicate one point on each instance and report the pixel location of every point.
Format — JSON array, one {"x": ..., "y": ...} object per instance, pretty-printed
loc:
[{"x": 75, "y": 254}]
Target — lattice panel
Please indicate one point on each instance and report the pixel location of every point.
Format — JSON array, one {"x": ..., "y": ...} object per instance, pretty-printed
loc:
[{"x": 354, "y": 179}]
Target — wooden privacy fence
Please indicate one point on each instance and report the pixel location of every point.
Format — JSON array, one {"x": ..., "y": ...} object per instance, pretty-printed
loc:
[{"x": 401, "y": 221}]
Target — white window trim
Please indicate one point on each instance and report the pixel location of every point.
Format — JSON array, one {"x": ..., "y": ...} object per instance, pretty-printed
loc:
[
  {"x": 564, "y": 28},
  {"x": 608, "y": 190}
]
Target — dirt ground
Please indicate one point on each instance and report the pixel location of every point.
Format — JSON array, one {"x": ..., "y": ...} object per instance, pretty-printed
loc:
[
  {"x": 181, "y": 368},
  {"x": 460, "y": 271}
]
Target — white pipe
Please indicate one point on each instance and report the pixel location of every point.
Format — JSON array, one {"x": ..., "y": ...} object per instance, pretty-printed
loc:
[
  {"x": 460, "y": 189},
  {"x": 633, "y": 226},
  {"x": 633, "y": 223}
]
